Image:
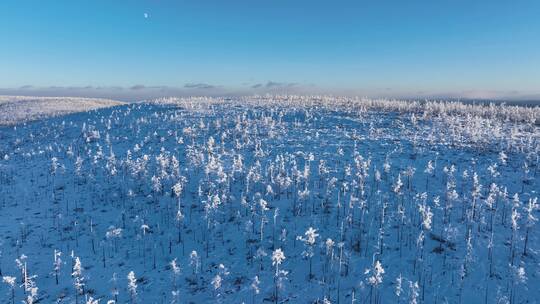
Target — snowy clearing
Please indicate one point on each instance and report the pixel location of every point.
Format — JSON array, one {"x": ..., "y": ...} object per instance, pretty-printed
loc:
[
  {"x": 276, "y": 199},
  {"x": 17, "y": 109}
]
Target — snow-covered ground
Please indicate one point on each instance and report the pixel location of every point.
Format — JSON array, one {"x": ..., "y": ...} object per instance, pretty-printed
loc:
[
  {"x": 16, "y": 109},
  {"x": 288, "y": 199}
]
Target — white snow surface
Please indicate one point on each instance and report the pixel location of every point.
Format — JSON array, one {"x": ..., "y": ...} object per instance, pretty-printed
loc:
[
  {"x": 17, "y": 109},
  {"x": 264, "y": 199}
]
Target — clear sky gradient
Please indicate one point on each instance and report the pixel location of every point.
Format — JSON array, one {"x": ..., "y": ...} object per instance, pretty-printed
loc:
[{"x": 414, "y": 48}]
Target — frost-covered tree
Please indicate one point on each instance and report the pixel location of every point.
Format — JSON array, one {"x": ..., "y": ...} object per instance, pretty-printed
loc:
[
  {"x": 55, "y": 165},
  {"x": 374, "y": 280},
  {"x": 57, "y": 264},
  {"x": 175, "y": 269},
  {"x": 91, "y": 300},
  {"x": 10, "y": 281},
  {"x": 277, "y": 258},
  {"x": 399, "y": 287},
  {"x": 78, "y": 279},
  {"x": 255, "y": 287},
  {"x": 515, "y": 227},
  {"x": 177, "y": 190},
  {"x": 329, "y": 245},
  {"x": 218, "y": 279},
  {"x": 132, "y": 286},
  {"x": 414, "y": 292},
  {"x": 194, "y": 262},
  {"x": 309, "y": 239},
  {"x": 398, "y": 184},
  {"x": 532, "y": 206},
  {"x": 20, "y": 262},
  {"x": 114, "y": 234},
  {"x": 30, "y": 288},
  {"x": 263, "y": 207},
  {"x": 114, "y": 287},
  {"x": 429, "y": 170}
]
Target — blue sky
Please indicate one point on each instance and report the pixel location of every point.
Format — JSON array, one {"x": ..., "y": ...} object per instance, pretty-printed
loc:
[{"x": 453, "y": 48}]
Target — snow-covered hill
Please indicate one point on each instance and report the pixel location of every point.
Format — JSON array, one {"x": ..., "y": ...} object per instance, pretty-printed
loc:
[
  {"x": 16, "y": 109},
  {"x": 283, "y": 199}
]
